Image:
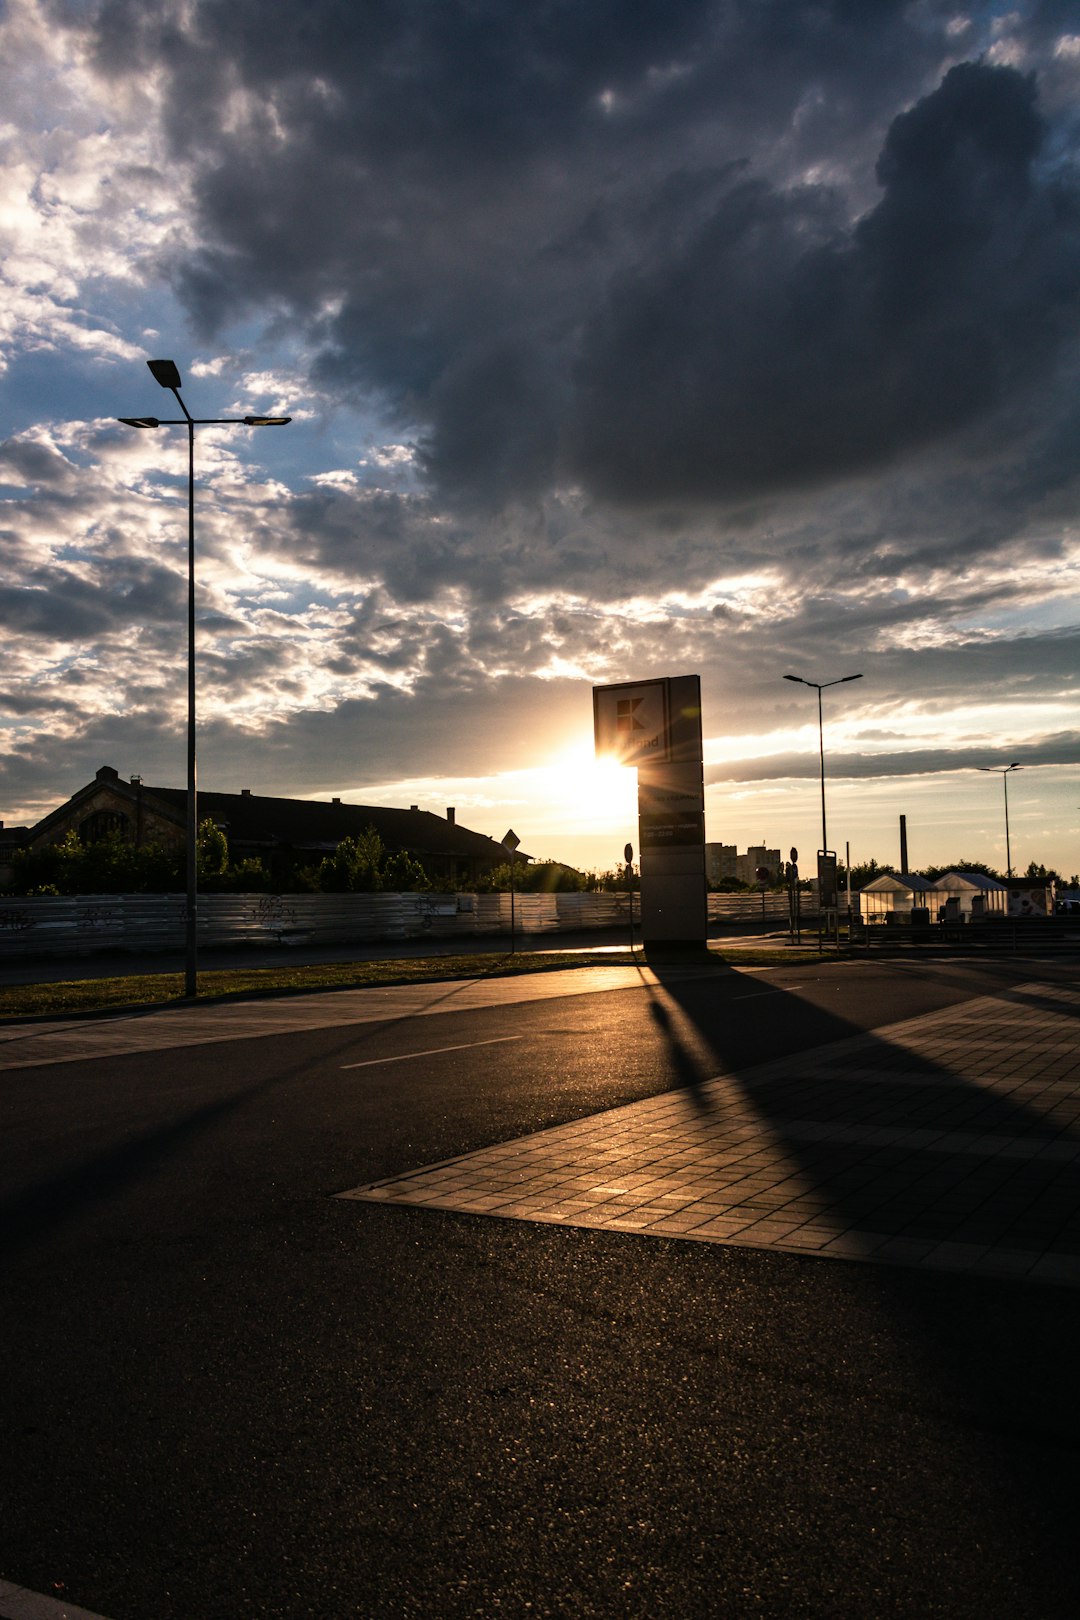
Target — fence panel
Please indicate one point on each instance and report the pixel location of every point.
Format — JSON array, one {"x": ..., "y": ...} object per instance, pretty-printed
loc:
[
  {"x": 749, "y": 907},
  {"x": 79, "y": 925}
]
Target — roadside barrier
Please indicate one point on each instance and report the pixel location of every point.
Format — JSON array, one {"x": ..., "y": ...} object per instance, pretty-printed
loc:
[{"x": 82, "y": 925}]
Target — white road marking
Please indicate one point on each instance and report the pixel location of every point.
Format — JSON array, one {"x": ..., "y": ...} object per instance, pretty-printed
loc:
[
  {"x": 17, "y": 1603},
  {"x": 434, "y": 1051}
]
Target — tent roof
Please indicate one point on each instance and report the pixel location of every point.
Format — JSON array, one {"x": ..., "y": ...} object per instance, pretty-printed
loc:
[
  {"x": 961, "y": 882},
  {"x": 889, "y": 883}
]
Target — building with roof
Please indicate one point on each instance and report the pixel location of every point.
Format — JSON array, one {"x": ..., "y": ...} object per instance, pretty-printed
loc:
[
  {"x": 892, "y": 895},
  {"x": 724, "y": 861},
  {"x": 1032, "y": 897},
  {"x": 970, "y": 894},
  {"x": 951, "y": 897},
  {"x": 283, "y": 833},
  {"x": 12, "y": 839}
]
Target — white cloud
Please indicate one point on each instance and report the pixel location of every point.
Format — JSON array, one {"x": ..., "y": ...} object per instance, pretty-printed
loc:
[
  {"x": 425, "y": 572},
  {"x": 84, "y": 194}
]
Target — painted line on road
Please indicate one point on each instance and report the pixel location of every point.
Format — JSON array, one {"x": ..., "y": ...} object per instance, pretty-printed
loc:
[
  {"x": 18, "y": 1603},
  {"x": 434, "y": 1051}
]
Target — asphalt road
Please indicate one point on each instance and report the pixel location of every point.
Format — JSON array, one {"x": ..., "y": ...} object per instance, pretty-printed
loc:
[{"x": 227, "y": 1393}]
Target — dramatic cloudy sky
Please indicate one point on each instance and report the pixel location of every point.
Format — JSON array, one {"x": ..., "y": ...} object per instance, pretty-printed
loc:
[{"x": 620, "y": 339}]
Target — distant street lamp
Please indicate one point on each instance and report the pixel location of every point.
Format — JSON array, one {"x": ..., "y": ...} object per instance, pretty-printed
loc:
[
  {"x": 165, "y": 373},
  {"x": 819, "y": 687},
  {"x": 1004, "y": 772}
]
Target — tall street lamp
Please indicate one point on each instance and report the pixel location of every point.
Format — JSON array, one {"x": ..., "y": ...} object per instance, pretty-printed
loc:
[
  {"x": 819, "y": 687},
  {"x": 165, "y": 373},
  {"x": 1004, "y": 772}
]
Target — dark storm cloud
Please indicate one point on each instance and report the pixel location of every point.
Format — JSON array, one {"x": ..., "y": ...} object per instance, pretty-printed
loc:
[
  {"x": 519, "y": 721},
  {"x": 1063, "y": 748},
  {"x": 26, "y": 463},
  {"x": 578, "y": 241},
  {"x": 127, "y": 596},
  {"x": 751, "y": 360}
]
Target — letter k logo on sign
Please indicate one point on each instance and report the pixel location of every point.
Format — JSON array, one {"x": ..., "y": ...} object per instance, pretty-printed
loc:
[
  {"x": 631, "y": 721},
  {"x": 625, "y": 711}
]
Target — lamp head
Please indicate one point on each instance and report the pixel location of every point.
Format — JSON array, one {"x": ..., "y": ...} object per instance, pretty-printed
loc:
[
  {"x": 165, "y": 373},
  {"x": 796, "y": 678},
  {"x": 267, "y": 421},
  {"x": 139, "y": 421}
]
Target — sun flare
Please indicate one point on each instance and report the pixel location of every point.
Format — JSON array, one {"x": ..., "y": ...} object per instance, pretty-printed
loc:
[{"x": 593, "y": 794}]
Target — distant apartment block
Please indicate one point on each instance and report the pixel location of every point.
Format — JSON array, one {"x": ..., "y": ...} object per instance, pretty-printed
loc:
[{"x": 724, "y": 861}]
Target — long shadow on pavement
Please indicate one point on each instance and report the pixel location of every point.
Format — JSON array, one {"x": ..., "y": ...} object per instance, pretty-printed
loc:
[{"x": 998, "y": 1354}]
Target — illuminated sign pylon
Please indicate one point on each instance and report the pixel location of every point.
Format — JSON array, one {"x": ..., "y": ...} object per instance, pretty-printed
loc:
[{"x": 656, "y": 726}]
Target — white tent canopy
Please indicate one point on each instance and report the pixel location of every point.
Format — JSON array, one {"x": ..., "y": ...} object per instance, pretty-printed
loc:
[
  {"x": 965, "y": 893},
  {"x": 890, "y": 894}
]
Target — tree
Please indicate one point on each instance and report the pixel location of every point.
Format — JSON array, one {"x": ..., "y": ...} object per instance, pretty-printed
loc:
[
  {"x": 355, "y": 867},
  {"x": 211, "y": 851},
  {"x": 404, "y": 874},
  {"x": 1045, "y": 873},
  {"x": 534, "y": 877},
  {"x": 613, "y": 881},
  {"x": 111, "y": 866},
  {"x": 106, "y": 866},
  {"x": 933, "y": 872},
  {"x": 863, "y": 873}
]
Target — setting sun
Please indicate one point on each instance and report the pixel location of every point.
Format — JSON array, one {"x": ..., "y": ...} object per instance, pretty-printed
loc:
[{"x": 596, "y": 791}]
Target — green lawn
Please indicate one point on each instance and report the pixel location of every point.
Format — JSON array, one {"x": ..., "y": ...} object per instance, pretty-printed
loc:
[{"x": 149, "y": 989}]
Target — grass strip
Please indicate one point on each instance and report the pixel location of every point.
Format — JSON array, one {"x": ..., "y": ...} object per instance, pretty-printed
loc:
[{"x": 152, "y": 989}]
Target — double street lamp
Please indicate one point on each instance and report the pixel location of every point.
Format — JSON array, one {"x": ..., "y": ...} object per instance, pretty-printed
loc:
[
  {"x": 819, "y": 687},
  {"x": 166, "y": 373},
  {"x": 1003, "y": 771}
]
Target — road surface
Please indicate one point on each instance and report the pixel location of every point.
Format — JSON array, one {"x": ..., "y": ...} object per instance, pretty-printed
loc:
[{"x": 230, "y": 1392}]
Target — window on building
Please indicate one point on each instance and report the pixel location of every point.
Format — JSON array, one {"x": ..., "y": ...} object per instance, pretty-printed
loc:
[{"x": 103, "y": 824}]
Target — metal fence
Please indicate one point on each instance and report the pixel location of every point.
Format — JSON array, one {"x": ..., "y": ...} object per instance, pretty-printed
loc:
[{"x": 80, "y": 925}]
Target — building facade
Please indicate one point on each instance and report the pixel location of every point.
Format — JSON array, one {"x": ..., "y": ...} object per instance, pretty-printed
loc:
[
  {"x": 723, "y": 861},
  {"x": 282, "y": 833}
]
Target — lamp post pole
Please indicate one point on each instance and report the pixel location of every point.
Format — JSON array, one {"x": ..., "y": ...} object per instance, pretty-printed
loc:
[
  {"x": 1004, "y": 770},
  {"x": 819, "y": 687},
  {"x": 166, "y": 374}
]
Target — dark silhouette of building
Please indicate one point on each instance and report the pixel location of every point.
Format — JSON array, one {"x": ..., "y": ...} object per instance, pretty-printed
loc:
[{"x": 282, "y": 833}]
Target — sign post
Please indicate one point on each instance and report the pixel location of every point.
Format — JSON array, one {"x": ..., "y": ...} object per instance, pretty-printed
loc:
[
  {"x": 827, "y": 918},
  {"x": 511, "y": 842},
  {"x": 794, "y": 920},
  {"x": 628, "y": 857}
]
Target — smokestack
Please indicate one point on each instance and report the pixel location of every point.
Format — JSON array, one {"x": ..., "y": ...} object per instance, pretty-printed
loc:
[
  {"x": 903, "y": 844},
  {"x": 451, "y": 814}
]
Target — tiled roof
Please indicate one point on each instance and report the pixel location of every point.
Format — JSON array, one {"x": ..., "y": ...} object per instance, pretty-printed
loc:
[{"x": 250, "y": 818}]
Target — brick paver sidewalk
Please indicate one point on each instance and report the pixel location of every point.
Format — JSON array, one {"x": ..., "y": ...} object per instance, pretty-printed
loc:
[{"x": 949, "y": 1140}]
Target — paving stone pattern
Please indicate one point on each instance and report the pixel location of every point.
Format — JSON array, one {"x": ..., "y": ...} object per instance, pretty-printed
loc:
[{"x": 948, "y": 1141}]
